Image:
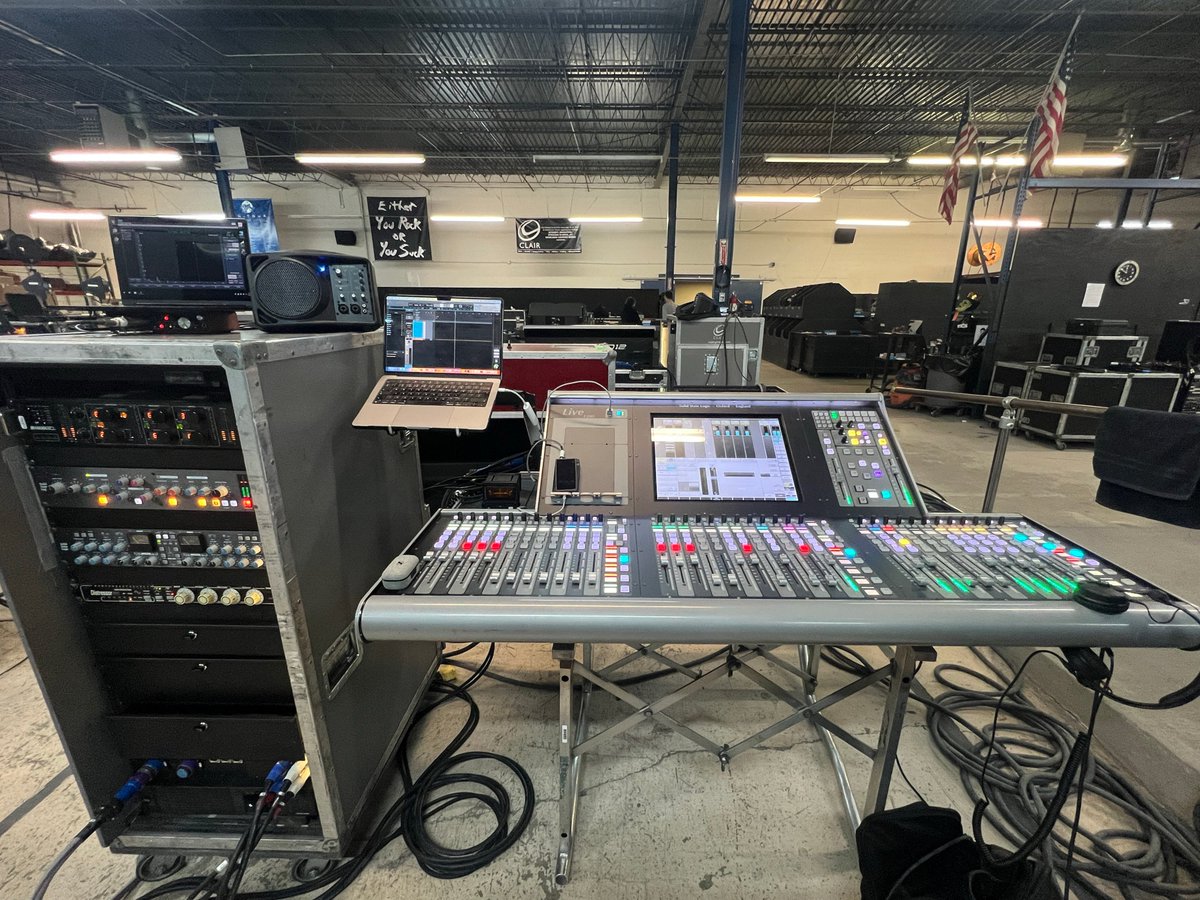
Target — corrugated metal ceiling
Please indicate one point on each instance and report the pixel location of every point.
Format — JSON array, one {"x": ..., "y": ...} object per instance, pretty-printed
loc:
[{"x": 482, "y": 86}]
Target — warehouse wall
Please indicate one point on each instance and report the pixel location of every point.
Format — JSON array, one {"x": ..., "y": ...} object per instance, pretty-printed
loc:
[{"x": 782, "y": 245}]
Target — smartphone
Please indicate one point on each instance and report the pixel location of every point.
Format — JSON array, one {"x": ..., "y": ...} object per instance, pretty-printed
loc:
[{"x": 566, "y": 475}]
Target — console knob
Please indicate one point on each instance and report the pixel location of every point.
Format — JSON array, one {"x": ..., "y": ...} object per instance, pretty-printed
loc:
[
  {"x": 109, "y": 560},
  {"x": 89, "y": 489},
  {"x": 81, "y": 559},
  {"x": 255, "y": 549},
  {"x": 152, "y": 559},
  {"x": 229, "y": 562},
  {"x": 76, "y": 545},
  {"x": 74, "y": 488},
  {"x": 58, "y": 487},
  {"x": 207, "y": 597},
  {"x": 124, "y": 559},
  {"x": 253, "y": 597},
  {"x": 145, "y": 496},
  {"x": 184, "y": 595},
  {"x": 137, "y": 481},
  {"x": 122, "y": 482},
  {"x": 104, "y": 487},
  {"x": 121, "y": 496},
  {"x": 219, "y": 491},
  {"x": 240, "y": 549},
  {"x": 104, "y": 546},
  {"x": 120, "y": 546},
  {"x": 230, "y": 597},
  {"x": 256, "y": 563},
  {"x": 190, "y": 491},
  {"x": 212, "y": 549},
  {"x": 90, "y": 546},
  {"x": 93, "y": 560}
]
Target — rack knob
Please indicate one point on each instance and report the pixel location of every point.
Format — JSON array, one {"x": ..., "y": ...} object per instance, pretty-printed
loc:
[
  {"x": 207, "y": 597},
  {"x": 184, "y": 596}
]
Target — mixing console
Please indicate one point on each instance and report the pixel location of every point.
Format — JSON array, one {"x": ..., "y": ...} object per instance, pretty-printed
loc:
[{"x": 484, "y": 553}]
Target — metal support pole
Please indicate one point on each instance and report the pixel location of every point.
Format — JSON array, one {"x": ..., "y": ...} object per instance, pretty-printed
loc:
[
  {"x": 1008, "y": 421},
  {"x": 904, "y": 666},
  {"x": 1160, "y": 163},
  {"x": 731, "y": 142},
  {"x": 569, "y": 763},
  {"x": 810, "y": 660},
  {"x": 672, "y": 205},
  {"x": 226, "y": 192}
]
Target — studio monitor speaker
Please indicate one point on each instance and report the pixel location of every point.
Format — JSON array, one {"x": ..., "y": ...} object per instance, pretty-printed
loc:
[
  {"x": 345, "y": 237},
  {"x": 308, "y": 290},
  {"x": 843, "y": 236}
]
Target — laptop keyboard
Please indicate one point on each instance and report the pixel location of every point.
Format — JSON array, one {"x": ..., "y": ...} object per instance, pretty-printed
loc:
[{"x": 432, "y": 392}]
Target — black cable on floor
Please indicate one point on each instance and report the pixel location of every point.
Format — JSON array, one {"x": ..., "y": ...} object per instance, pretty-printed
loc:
[{"x": 409, "y": 817}]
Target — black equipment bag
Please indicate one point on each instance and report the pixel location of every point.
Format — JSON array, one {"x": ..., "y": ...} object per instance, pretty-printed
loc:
[{"x": 919, "y": 852}]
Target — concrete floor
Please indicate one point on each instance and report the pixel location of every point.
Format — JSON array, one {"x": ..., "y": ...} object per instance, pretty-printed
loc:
[{"x": 659, "y": 818}]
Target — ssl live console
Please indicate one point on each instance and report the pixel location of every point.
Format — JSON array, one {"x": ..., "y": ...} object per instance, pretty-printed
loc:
[{"x": 754, "y": 517}]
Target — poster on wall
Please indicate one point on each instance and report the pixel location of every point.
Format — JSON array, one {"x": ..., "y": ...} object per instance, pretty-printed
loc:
[
  {"x": 260, "y": 222},
  {"x": 400, "y": 228},
  {"x": 549, "y": 236}
]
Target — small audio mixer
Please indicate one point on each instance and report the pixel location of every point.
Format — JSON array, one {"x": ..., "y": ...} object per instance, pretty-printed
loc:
[{"x": 484, "y": 553}]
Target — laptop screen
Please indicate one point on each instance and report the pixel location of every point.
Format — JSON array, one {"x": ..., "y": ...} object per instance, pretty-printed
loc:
[{"x": 443, "y": 336}]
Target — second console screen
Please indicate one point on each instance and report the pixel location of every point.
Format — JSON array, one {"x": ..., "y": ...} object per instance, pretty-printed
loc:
[{"x": 709, "y": 458}]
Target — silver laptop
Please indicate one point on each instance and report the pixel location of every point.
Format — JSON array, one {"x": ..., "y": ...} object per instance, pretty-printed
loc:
[{"x": 441, "y": 359}]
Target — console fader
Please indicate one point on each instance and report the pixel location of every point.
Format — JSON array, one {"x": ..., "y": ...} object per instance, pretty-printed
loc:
[{"x": 489, "y": 553}]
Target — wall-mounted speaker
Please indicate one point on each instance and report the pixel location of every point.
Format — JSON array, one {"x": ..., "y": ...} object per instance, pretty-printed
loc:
[
  {"x": 345, "y": 237},
  {"x": 308, "y": 290},
  {"x": 843, "y": 236}
]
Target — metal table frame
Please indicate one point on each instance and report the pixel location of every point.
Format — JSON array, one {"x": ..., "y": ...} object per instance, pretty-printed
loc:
[{"x": 575, "y": 662}]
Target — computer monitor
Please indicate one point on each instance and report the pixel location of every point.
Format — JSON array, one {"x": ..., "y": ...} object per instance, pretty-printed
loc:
[
  {"x": 716, "y": 458},
  {"x": 443, "y": 335},
  {"x": 181, "y": 264},
  {"x": 1180, "y": 342}
]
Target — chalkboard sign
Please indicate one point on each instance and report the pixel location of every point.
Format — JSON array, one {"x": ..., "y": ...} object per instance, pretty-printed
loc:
[
  {"x": 548, "y": 236},
  {"x": 400, "y": 228}
]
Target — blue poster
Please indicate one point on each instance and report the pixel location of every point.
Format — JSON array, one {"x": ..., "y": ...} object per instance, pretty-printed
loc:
[{"x": 260, "y": 220}]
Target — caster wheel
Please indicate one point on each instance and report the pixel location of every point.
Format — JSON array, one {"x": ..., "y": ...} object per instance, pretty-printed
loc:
[
  {"x": 1060, "y": 445},
  {"x": 306, "y": 870},
  {"x": 936, "y": 413},
  {"x": 158, "y": 868}
]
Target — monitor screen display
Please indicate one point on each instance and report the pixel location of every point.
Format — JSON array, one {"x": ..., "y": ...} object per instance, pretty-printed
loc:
[
  {"x": 443, "y": 336},
  {"x": 180, "y": 263},
  {"x": 721, "y": 458}
]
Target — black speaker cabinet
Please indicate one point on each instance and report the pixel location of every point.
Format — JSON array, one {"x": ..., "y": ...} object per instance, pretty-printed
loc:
[
  {"x": 345, "y": 237},
  {"x": 843, "y": 235},
  {"x": 308, "y": 290}
]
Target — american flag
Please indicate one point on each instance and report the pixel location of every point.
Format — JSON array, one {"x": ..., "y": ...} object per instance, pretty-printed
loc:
[
  {"x": 1051, "y": 111},
  {"x": 968, "y": 134}
]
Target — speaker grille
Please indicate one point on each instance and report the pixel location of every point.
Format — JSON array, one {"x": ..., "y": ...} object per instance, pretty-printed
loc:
[{"x": 287, "y": 289}]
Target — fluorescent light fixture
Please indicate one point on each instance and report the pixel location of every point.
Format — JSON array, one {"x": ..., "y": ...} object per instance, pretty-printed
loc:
[
  {"x": 776, "y": 198},
  {"x": 596, "y": 157},
  {"x": 155, "y": 155},
  {"x": 942, "y": 160},
  {"x": 861, "y": 159},
  {"x": 889, "y": 188},
  {"x": 582, "y": 220},
  {"x": 1104, "y": 223},
  {"x": 869, "y": 223},
  {"x": 196, "y": 217},
  {"x": 454, "y": 217},
  {"x": 1090, "y": 161},
  {"x": 1007, "y": 223},
  {"x": 1065, "y": 161},
  {"x": 360, "y": 159},
  {"x": 67, "y": 215},
  {"x": 1135, "y": 224}
]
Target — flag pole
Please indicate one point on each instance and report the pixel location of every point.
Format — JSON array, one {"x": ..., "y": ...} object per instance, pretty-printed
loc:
[
  {"x": 968, "y": 219},
  {"x": 1010, "y": 242}
]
